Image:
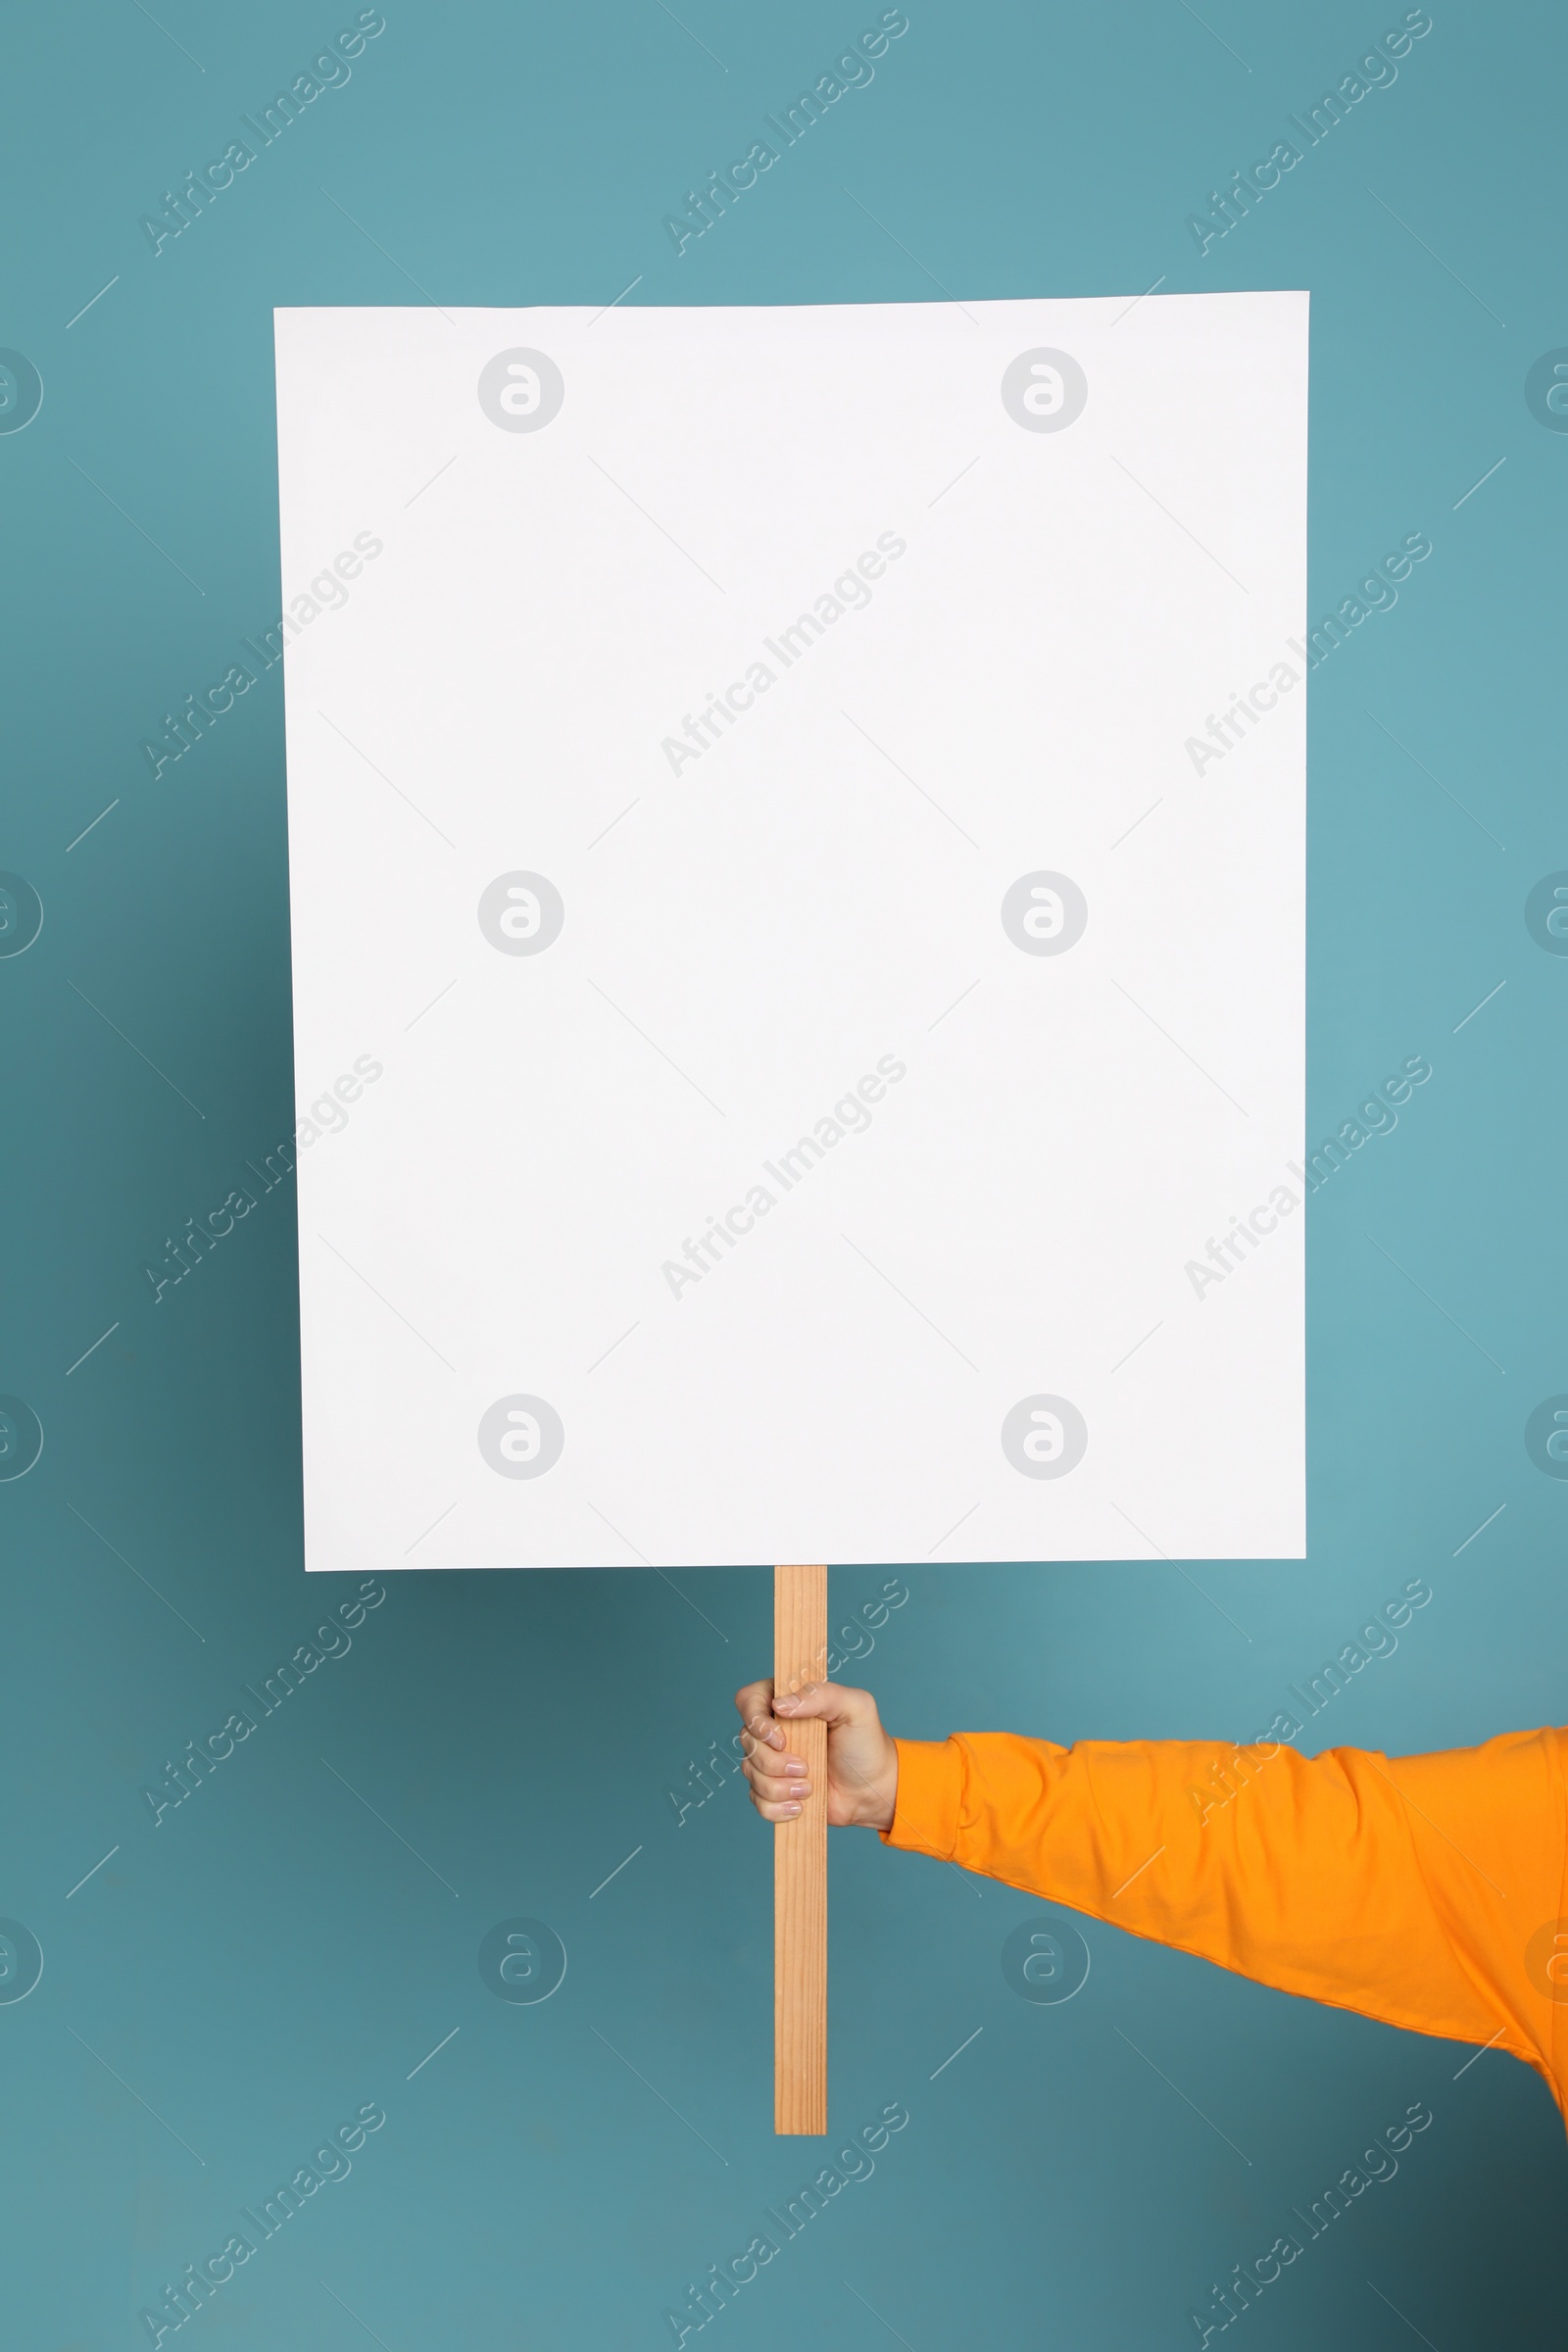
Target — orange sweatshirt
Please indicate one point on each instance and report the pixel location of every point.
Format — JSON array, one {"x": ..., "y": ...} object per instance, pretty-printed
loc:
[{"x": 1430, "y": 1891}]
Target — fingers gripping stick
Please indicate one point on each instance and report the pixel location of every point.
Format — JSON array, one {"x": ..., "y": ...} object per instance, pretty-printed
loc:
[{"x": 800, "y": 1867}]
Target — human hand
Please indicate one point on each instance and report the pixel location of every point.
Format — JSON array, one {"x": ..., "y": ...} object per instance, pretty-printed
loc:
[{"x": 863, "y": 1761}]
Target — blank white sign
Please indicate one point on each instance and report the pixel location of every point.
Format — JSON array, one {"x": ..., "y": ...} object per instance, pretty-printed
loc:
[{"x": 796, "y": 825}]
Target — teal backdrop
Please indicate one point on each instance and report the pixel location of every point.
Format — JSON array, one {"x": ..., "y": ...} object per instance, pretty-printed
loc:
[{"x": 296, "y": 1948}]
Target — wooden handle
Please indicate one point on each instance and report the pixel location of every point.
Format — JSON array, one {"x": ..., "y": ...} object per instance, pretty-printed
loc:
[{"x": 800, "y": 1867}]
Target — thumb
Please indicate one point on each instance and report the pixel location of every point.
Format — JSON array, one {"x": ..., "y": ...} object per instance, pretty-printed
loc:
[{"x": 832, "y": 1703}]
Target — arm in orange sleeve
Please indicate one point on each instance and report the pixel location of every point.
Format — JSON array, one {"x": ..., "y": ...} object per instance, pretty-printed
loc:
[{"x": 1425, "y": 1891}]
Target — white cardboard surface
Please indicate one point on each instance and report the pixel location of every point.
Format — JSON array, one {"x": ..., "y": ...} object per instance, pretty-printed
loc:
[{"x": 566, "y": 1183}]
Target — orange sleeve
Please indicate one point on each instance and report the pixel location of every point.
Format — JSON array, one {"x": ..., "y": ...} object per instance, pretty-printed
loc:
[{"x": 1426, "y": 1891}]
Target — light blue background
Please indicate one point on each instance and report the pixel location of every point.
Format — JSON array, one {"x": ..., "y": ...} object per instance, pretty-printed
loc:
[{"x": 271, "y": 1956}]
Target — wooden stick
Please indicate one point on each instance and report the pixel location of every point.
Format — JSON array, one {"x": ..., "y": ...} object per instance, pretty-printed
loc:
[{"x": 800, "y": 1867}]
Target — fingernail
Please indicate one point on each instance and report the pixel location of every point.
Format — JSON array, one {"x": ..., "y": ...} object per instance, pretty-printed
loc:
[
  {"x": 775, "y": 1739},
  {"x": 789, "y": 1809},
  {"x": 795, "y": 1764},
  {"x": 782, "y": 1705}
]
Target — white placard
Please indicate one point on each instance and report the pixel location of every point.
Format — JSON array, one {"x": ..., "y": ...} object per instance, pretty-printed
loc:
[{"x": 802, "y": 813}]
